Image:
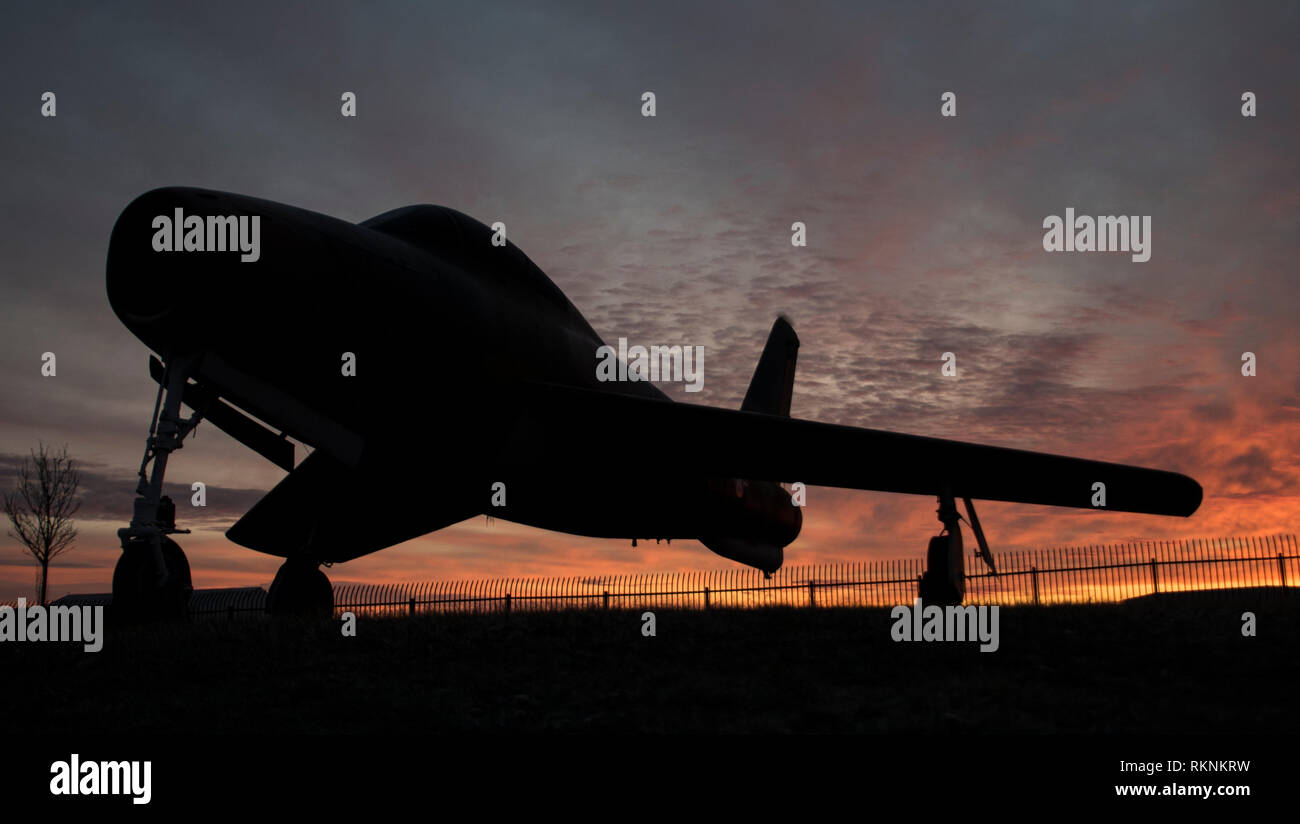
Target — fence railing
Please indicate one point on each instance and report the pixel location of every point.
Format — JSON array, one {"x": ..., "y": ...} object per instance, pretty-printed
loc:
[{"x": 1078, "y": 574}]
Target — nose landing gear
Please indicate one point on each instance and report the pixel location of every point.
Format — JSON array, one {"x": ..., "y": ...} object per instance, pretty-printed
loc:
[{"x": 152, "y": 577}]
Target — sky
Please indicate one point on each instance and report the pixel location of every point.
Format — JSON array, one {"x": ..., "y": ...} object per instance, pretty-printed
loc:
[{"x": 925, "y": 233}]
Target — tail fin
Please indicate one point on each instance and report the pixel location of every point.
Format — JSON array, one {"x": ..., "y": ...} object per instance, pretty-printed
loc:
[{"x": 773, "y": 382}]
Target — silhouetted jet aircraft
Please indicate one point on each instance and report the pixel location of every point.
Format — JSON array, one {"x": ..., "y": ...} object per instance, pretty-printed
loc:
[{"x": 471, "y": 369}]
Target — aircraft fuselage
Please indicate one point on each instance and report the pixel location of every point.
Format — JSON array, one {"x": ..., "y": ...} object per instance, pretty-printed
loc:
[{"x": 445, "y": 335}]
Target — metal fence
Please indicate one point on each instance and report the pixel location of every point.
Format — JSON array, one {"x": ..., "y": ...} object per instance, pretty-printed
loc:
[{"x": 1079, "y": 574}]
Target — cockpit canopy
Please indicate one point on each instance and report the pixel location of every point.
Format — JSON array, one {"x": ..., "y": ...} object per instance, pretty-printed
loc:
[{"x": 467, "y": 243}]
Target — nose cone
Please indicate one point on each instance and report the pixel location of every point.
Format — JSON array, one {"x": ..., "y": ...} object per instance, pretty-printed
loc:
[
  {"x": 160, "y": 292},
  {"x": 144, "y": 284}
]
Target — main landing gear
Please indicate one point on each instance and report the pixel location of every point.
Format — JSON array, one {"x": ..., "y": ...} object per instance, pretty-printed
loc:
[
  {"x": 300, "y": 588},
  {"x": 944, "y": 581}
]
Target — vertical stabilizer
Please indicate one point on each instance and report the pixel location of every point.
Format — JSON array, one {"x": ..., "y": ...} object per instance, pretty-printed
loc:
[{"x": 773, "y": 382}]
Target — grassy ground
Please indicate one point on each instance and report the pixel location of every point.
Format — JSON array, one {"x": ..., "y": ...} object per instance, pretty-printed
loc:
[{"x": 1136, "y": 668}]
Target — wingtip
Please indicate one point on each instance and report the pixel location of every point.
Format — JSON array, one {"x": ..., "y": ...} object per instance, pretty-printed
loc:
[{"x": 1195, "y": 495}]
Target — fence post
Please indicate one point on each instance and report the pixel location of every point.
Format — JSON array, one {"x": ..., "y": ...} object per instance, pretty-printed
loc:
[
  {"x": 1155, "y": 578},
  {"x": 1281, "y": 569},
  {"x": 1033, "y": 571},
  {"x": 706, "y": 597},
  {"x": 605, "y": 599},
  {"x": 507, "y": 602},
  {"x": 812, "y": 592},
  {"x": 412, "y": 604}
]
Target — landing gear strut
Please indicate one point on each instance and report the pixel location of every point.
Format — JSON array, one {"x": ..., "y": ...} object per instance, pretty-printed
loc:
[
  {"x": 152, "y": 577},
  {"x": 944, "y": 581}
]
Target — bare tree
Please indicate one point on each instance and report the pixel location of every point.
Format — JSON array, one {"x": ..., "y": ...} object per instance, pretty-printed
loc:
[{"x": 42, "y": 506}]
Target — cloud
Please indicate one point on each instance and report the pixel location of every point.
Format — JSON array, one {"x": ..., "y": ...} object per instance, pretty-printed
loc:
[{"x": 106, "y": 494}]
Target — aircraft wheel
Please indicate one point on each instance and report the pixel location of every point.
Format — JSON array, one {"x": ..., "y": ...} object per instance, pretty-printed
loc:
[
  {"x": 300, "y": 588},
  {"x": 936, "y": 585},
  {"x": 937, "y": 592},
  {"x": 137, "y": 596}
]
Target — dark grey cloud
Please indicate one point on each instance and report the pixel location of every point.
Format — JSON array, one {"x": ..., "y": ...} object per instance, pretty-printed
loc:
[{"x": 105, "y": 494}]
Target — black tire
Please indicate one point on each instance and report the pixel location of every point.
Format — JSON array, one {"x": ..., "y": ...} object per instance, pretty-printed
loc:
[
  {"x": 137, "y": 597},
  {"x": 936, "y": 586},
  {"x": 300, "y": 588}
]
